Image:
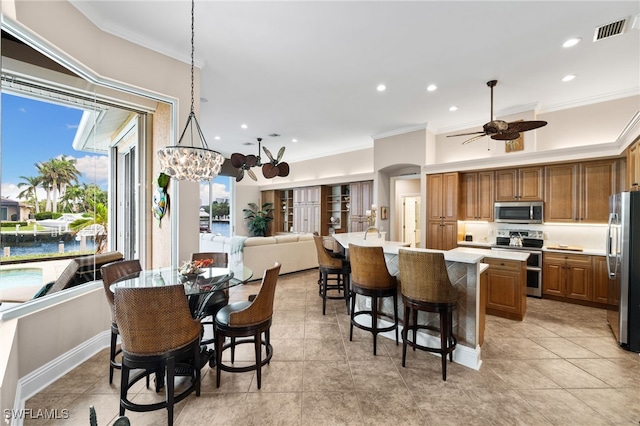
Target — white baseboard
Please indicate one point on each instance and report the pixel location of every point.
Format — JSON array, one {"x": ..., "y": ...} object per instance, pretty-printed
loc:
[{"x": 42, "y": 377}]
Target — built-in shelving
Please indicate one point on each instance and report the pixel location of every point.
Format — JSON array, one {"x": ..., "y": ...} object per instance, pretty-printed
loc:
[{"x": 337, "y": 205}]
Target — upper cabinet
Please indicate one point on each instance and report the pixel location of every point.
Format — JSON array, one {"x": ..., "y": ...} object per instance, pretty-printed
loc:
[
  {"x": 633, "y": 166},
  {"x": 477, "y": 196},
  {"x": 579, "y": 192},
  {"x": 523, "y": 184},
  {"x": 442, "y": 196}
]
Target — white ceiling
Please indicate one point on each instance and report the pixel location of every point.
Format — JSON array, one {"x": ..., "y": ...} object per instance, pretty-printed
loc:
[{"x": 309, "y": 70}]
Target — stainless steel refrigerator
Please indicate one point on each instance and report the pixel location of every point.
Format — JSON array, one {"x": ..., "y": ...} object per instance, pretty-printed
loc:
[{"x": 623, "y": 266}]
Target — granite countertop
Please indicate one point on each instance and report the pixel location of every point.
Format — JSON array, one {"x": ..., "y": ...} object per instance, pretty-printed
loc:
[
  {"x": 585, "y": 251},
  {"x": 486, "y": 244},
  {"x": 357, "y": 238},
  {"x": 495, "y": 254}
]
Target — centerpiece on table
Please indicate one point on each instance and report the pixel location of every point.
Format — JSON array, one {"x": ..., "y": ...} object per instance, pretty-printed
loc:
[{"x": 191, "y": 270}]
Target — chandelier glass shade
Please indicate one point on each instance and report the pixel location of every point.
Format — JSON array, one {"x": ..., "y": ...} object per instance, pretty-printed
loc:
[{"x": 191, "y": 162}]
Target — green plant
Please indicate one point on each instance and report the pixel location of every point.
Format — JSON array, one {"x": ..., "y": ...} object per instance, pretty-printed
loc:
[{"x": 257, "y": 219}]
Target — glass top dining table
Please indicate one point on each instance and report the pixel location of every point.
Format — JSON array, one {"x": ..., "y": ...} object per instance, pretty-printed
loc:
[{"x": 204, "y": 284}]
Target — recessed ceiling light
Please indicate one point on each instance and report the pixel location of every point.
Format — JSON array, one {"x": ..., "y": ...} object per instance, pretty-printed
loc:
[
  {"x": 571, "y": 42},
  {"x": 568, "y": 77},
  {"x": 453, "y": 108},
  {"x": 217, "y": 138},
  {"x": 381, "y": 88},
  {"x": 294, "y": 140},
  {"x": 431, "y": 87},
  {"x": 244, "y": 126}
]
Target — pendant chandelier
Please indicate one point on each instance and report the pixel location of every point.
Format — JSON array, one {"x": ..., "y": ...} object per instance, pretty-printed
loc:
[{"x": 191, "y": 162}]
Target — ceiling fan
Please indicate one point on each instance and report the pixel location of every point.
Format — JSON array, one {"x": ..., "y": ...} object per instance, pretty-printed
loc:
[
  {"x": 499, "y": 129},
  {"x": 273, "y": 168}
]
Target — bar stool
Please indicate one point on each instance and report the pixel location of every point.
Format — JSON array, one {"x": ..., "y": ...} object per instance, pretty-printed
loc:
[
  {"x": 370, "y": 277},
  {"x": 330, "y": 269},
  {"x": 426, "y": 287}
]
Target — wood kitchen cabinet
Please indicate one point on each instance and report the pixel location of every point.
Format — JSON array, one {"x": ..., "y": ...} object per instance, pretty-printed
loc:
[
  {"x": 567, "y": 276},
  {"x": 600, "y": 279},
  {"x": 633, "y": 166},
  {"x": 579, "y": 192},
  {"x": 477, "y": 196},
  {"x": 442, "y": 211},
  {"x": 523, "y": 184},
  {"x": 506, "y": 288},
  {"x": 361, "y": 197}
]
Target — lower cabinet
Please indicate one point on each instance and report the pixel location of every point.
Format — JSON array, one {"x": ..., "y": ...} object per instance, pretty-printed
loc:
[
  {"x": 442, "y": 235},
  {"x": 575, "y": 278},
  {"x": 506, "y": 288}
]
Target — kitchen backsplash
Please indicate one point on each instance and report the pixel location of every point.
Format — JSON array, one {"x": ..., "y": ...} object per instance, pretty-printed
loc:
[{"x": 587, "y": 236}]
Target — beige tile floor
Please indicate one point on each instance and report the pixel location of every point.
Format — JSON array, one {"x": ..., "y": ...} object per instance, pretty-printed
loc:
[{"x": 560, "y": 366}]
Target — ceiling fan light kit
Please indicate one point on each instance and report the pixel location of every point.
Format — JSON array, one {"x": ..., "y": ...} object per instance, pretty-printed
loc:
[
  {"x": 191, "y": 162},
  {"x": 499, "y": 129}
]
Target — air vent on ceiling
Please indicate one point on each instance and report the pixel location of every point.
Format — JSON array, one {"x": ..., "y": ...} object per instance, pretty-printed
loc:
[{"x": 610, "y": 30}]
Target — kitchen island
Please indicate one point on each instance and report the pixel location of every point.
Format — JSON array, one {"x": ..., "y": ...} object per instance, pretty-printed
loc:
[{"x": 465, "y": 266}]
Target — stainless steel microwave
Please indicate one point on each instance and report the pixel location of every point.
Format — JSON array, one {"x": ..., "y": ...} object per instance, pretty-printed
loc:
[{"x": 519, "y": 212}]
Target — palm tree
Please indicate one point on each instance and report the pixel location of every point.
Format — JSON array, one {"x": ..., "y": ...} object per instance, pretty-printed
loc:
[
  {"x": 57, "y": 173},
  {"x": 44, "y": 168},
  {"x": 72, "y": 199},
  {"x": 31, "y": 183}
]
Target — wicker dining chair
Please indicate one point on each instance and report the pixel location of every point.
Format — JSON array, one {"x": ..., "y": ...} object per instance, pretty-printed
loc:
[
  {"x": 219, "y": 298},
  {"x": 247, "y": 320},
  {"x": 331, "y": 269},
  {"x": 425, "y": 286},
  {"x": 370, "y": 278},
  {"x": 158, "y": 334},
  {"x": 111, "y": 273}
]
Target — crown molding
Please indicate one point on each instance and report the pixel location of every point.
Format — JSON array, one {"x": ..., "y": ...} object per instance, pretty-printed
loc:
[
  {"x": 400, "y": 131},
  {"x": 591, "y": 100}
]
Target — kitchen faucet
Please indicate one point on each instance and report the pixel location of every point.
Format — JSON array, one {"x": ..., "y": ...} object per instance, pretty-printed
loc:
[{"x": 371, "y": 228}]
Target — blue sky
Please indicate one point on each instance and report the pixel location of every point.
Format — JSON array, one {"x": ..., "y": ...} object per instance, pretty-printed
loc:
[{"x": 34, "y": 131}]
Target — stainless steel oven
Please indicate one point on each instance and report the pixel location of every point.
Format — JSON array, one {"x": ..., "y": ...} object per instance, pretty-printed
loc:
[{"x": 526, "y": 241}]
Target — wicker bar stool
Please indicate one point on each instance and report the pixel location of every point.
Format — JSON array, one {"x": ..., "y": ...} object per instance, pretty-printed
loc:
[
  {"x": 249, "y": 320},
  {"x": 370, "y": 277},
  {"x": 425, "y": 286},
  {"x": 332, "y": 269},
  {"x": 112, "y": 272},
  {"x": 219, "y": 298},
  {"x": 158, "y": 334}
]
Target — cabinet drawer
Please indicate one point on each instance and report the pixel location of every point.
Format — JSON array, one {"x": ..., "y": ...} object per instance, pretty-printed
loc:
[{"x": 502, "y": 264}]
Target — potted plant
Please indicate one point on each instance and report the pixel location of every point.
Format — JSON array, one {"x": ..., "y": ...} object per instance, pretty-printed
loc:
[{"x": 257, "y": 219}]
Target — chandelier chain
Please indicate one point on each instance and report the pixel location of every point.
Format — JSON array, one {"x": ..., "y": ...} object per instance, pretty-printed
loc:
[{"x": 193, "y": 6}]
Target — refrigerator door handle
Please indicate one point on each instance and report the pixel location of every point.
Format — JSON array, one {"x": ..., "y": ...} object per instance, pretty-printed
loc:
[{"x": 608, "y": 243}]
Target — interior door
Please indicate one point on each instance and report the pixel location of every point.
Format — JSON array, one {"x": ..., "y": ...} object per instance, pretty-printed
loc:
[{"x": 410, "y": 206}]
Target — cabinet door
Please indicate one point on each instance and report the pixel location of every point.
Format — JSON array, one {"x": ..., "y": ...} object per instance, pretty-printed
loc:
[
  {"x": 561, "y": 193},
  {"x": 485, "y": 196},
  {"x": 600, "y": 279},
  {"x": 450, "y": 185},
  {"x": 313, "y": 222},
  {"x": 434, "y": 234},
  {"x": 366, "y": 189},
  {"x": 449, "y": 236},
  {"x": 299, "y": 213},
  {"x": 504, "y": 292},
  {"x": 598, "y": 182},
  {"x": 469, "y": 183},
  {"x": 434, "y": 197},
  {"x": 633, "y": 166},
  {"x": 578, "y": 270},
  {"x": 553, "y": 275},
  {"x": 506, "y": 185},
  {"x": 530, "y": 184},
  {"x": 313, "y": 195}
]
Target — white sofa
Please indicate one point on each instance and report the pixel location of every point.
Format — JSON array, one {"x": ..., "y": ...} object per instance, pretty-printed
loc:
[{"x": 295, "y": 252}]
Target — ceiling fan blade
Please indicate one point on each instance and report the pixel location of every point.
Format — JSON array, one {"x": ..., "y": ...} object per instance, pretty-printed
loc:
[
  {"x": 266, "y": 151},
  {"x": 284, "y": 169},
  {"x": 269, "y": 170},
  {"x": 240, "y": 175},
  {"x": 523, "y": 126},
  {"x": 252, "y": 175},
  {"x": 237, "y": 159},
  {"x": 475, "y": 138},
  {"x": 251, "y": 160},
  {"x": 505, "y": 136},
  {"x": 467, "y": 134},
  {"x": 280, "y": 154}
]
